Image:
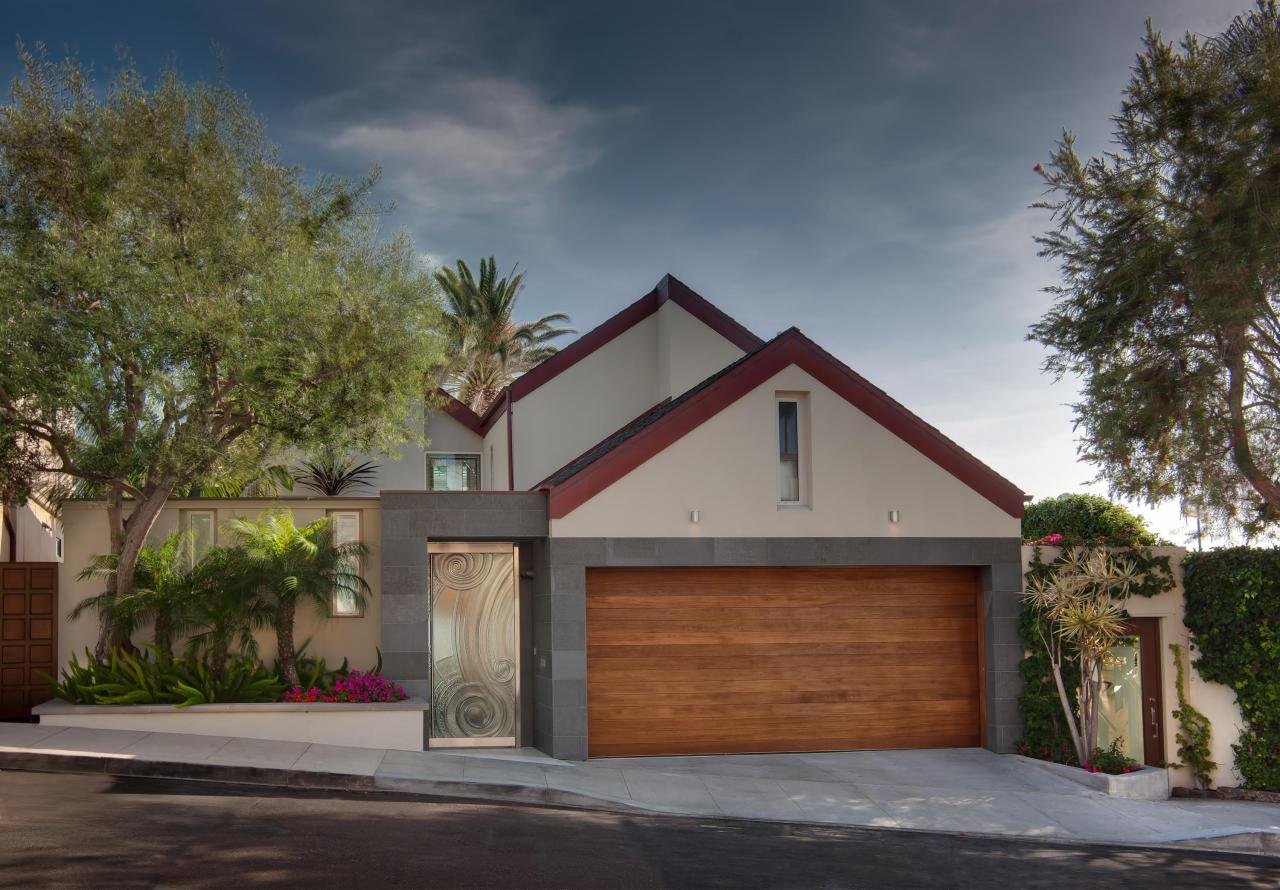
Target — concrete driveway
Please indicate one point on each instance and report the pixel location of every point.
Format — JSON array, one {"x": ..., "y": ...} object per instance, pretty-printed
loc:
[{"x": 963, "y": 790}]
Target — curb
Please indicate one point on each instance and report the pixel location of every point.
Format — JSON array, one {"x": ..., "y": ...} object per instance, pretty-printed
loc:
[
  {"x": 532, "y": 795},
  {"x": 1256, "y": 843}
]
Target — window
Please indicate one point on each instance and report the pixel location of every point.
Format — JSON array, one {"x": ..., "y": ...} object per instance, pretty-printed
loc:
[
  {"x": 199, "y": 526},
  {"x": 453, "y": 472},
  {"x": 788, "y": 452},
  {"x": 346, "y": 530}
]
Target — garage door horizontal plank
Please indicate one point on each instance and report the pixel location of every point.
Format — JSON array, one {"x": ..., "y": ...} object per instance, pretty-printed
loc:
[{"x": 764, "y": 659}]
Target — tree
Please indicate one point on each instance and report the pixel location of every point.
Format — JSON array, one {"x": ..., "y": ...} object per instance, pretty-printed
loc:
[
  {"x": 1168, "y": 248},
  {"x": 1085, "y": 519},
  {"x": 165, "y": 585},
  {"x": 489, "y": 348},
  {"x": 290, "y": 565},
  {"x": 179, "y": 304},
  {"x": 1082, "y": 603}
]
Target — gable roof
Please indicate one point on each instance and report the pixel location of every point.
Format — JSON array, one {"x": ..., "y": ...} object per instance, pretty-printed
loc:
[
  {"x": 459, "y": 411},
  {"x": 665, "y": 423},
  {"x": 669, "y": 288}
]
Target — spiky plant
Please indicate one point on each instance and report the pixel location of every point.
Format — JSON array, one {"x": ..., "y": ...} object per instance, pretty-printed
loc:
[
  {"x": 1082, "y": 601},
  {"x": 333, "y": 475},
  {"x": 487, "y": 347}
]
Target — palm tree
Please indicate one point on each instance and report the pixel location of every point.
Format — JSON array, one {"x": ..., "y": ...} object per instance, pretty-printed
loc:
[
  {"x": 488, "y": 347},
  {"x": 289, "y": 565},
  {"x": 227, "y": 609},
  {"x": 164, "y": 588}
]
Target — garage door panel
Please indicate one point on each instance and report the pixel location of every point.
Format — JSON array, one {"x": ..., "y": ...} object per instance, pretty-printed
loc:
[
  {"x": 795, "y": 630},
  {"x": 706, "y": 660}
]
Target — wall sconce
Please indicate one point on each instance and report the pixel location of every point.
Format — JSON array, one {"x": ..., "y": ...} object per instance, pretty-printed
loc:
[
  {"x": 695, "y": 516},
  {"x": 894, "y": 516}
]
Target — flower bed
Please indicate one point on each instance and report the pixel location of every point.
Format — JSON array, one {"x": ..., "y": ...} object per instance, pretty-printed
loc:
[
  {"x": 356, "y": 686},
  {"x": 1140, "y": 783}
]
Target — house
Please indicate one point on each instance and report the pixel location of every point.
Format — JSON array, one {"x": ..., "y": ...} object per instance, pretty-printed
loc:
[{"x": 675, "y": 537}]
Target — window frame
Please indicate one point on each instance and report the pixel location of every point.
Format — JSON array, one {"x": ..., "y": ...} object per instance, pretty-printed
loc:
[
  {"x": 359, "y": 570},
  {"x": 781, "y": 455},
  {"x": 479, "y": 458}
]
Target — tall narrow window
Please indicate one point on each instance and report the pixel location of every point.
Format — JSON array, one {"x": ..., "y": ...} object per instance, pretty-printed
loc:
[
  {"x": 199, "y": 525},
  {"x": 788, "y": 452},
  {"x": 453, "y": 472},
  {"x": 346, "y": 530}
]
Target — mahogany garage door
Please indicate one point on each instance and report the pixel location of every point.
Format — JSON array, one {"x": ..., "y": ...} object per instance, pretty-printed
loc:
[{"x": 723, "y": 660}]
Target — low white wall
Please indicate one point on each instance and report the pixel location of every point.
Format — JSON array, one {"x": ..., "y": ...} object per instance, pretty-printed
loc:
[
  {"x": 398, "y": 726},
  {"x": 1215, "y": 701}
]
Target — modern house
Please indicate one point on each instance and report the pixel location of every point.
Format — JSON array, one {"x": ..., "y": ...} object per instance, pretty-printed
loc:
[{"x": 675, "y": 537}]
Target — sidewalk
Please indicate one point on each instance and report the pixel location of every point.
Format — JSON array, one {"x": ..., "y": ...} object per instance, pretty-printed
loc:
[{"x": 962, "y": 790}]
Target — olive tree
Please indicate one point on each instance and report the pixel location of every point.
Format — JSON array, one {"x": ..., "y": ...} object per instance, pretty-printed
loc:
[{"x": 179, "y": 303}]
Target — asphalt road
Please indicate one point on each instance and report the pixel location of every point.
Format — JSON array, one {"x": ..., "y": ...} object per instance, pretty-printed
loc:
[{"x": 63, "y": 830}]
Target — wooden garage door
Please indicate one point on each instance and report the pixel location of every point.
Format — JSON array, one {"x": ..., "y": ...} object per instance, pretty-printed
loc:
[
  {"x": 28, "y": 613},
  {"x": 721, "y": 660}
]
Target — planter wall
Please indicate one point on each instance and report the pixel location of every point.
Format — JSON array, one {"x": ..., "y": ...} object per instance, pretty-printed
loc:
[
  {"x": 1148, "y": 783},
  {"x": 394, "y": 725}
]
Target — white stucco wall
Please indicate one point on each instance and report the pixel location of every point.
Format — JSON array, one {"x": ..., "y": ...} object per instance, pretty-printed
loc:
[
  {"x": 580, "y": 406},
  {"x": 36, "y": 533},
  {"x": 1215, "y": 701},
  {"x": 356, "y": 639},
  {"x": 493, "y": 459},
  {"x": 688, "y": 351},
  {"x": 727, "y": 469},
  {"x": 444, "y": 434}
]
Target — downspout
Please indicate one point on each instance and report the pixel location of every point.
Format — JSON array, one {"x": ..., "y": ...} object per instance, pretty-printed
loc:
[
  {"x": 511, "y": 455},
  {"x": 11, "y": 533}
]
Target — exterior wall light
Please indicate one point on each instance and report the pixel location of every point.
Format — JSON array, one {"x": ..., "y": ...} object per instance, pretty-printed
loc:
[
  {"x": 695, "y": 516},
  {"x": 894, "y": 516}
]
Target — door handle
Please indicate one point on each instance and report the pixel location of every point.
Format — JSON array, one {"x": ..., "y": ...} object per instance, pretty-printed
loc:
[{"x": 1155, "y": 724}]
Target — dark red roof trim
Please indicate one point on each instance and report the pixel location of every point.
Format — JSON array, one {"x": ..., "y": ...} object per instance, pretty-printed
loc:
[
  {"x": 788, "y": 348},
  {"x": 460, "y": 412},
  {"x": 669, "y": 288}
]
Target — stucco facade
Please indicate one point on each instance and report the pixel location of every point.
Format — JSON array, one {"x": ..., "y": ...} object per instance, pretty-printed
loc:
[{"x": 353, "y": 638}]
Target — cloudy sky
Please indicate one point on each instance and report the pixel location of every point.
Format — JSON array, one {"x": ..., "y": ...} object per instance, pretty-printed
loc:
[{"x": 861, "y": 170}]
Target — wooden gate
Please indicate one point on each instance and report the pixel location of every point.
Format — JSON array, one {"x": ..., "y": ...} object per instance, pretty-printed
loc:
[{"x": 28, "y": 634}]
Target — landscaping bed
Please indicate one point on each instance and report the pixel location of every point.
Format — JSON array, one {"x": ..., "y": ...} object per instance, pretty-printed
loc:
[
  {"x": 395, "y": 725},
  {"x": 1249, "y": 794},
  {"x": 1143, "y": 783}
]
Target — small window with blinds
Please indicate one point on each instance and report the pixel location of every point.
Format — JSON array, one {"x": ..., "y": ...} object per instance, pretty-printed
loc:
[
  {"x": 346, "y": 599},
  {"x": 788, "y": 451}
]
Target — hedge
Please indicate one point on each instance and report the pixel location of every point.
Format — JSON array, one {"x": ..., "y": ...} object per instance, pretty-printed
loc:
[{"x": 1233, "y": 609}]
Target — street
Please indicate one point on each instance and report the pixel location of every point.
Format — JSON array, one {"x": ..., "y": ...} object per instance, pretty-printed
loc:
[{"x": 73, "y": 830}]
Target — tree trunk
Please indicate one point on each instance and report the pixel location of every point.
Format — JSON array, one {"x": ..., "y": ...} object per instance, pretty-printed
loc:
[
  {"x": 164, "y": 636},
  {"x": 128, "y": 534},
  {"x": 1241, "y": 451},
  {"x": 286, "y": 657}
]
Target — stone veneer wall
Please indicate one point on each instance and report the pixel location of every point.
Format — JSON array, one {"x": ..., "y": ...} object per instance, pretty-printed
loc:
[
  {"x": 560, "y": 717},
  {"x": 409, "y": 520}
]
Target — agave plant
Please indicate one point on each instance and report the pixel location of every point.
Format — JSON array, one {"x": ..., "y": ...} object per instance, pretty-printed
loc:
[{"x": 332, "y": 475}]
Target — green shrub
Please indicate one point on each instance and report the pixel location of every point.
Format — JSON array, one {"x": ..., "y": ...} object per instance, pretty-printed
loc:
[
  {"x": 129, "y": 679},
  {"x": 1233, "y": 608},
  {"x": 1194, "y": 732},
  {"x": 1085, "y": 519}
]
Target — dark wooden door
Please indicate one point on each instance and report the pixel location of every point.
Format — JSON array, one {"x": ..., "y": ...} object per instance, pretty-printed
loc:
[
  {"x": 725, "y": 660},
  {"x": 1147, "y": 630},
  {"x": 28, "y": 629}
]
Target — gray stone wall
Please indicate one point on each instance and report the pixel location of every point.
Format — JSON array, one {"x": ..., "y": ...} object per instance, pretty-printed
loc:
[
  {"x": 409, "y": 520},
  {"x": 560, "y": 720}
]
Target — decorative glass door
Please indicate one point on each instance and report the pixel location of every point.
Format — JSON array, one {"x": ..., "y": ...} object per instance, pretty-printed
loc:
[
  {"x": 474, "y": 644},
  {"x": 1131, "y": 707}
]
